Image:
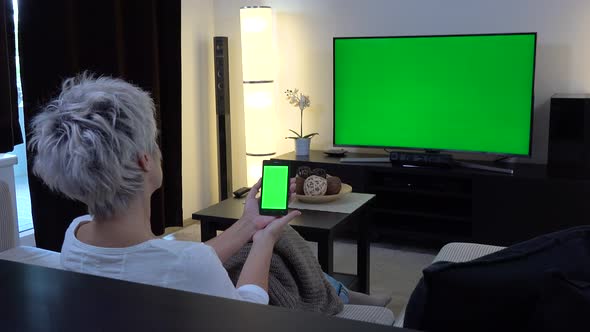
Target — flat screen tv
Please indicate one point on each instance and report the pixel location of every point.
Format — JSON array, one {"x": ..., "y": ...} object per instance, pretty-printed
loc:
[{"x": 470, "y": 93}]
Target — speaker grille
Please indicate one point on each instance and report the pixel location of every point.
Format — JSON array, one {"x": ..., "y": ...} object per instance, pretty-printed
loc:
[
  {"x": 221, "y": 64},
  {"x": 221, "y": 67}
]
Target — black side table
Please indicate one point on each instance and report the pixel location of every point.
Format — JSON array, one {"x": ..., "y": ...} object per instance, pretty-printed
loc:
[{"x": 313, "y": 225}]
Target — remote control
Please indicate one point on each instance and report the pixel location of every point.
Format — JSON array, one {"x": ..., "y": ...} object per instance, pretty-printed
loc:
[{"x": 241, "y": 192}]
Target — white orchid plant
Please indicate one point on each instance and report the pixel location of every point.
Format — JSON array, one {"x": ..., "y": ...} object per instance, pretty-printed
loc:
[{"x": 300, "y": 100}]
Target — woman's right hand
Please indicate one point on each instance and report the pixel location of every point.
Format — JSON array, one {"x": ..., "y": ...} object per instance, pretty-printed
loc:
[
  {"x": 273, "y": 231},
  {"x": 257, "y": 265},
  {"x": 251, "y": 216}
]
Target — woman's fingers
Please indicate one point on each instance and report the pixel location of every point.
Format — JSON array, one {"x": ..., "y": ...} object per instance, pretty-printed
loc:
[
  {"x": 255, "y": 188},
  {"x": 281, "y": 222},
  {"x": 292, "y": 198},
  {"x": 292, "y": 189},
  {"x": 291, "y": 215}
]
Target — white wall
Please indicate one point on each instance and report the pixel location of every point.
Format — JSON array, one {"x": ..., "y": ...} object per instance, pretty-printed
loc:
[
  {"x": 305, "y": 28},
  {"x": 199, "y": 163},
  {"x": 304, "y": 32}
]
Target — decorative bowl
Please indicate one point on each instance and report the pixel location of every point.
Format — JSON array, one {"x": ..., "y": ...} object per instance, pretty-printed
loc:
[{"x": 325, "y": 198}]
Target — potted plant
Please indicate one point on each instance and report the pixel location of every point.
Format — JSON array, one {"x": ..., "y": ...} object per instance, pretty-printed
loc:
[{"x": 302, "y": 142}]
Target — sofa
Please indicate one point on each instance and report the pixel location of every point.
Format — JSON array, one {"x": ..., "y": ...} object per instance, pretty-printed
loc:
[
  {"x": 452, "y": 252},
  {"x": 542, "y": 284},
  {"x": 456, "y": 252},
  {"x": 51, "y": 259}
]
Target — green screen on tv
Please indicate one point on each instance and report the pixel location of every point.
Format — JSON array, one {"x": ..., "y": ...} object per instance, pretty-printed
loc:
[{"x": 458, "y": 93}]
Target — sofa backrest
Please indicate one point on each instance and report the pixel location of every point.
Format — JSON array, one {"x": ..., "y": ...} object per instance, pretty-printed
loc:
[{"x": 32, "y": 255}]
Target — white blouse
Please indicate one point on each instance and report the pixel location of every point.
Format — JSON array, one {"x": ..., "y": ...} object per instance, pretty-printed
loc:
[{"x": 182, "y": 265}]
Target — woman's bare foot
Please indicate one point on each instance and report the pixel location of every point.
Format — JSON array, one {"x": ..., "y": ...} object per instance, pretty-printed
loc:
[{"x": 380, "y": 300}]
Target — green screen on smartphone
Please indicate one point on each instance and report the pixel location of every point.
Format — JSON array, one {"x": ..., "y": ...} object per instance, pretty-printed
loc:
[{"x": 275, "y": 188}]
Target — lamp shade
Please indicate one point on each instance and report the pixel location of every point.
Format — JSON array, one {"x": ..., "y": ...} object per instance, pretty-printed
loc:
[
  {"x": 258, "y": 78},
  {"x": 257, "y": 50},
  {"x": 259, "y": 118}
]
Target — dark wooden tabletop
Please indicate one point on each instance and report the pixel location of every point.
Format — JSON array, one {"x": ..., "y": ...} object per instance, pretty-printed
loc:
[
  {"x": 232, "y": 209},
  {"x": 34, "y": 298}
]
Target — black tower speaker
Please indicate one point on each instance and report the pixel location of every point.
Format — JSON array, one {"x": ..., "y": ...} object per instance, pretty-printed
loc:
[
  {"x": 220, "y": 54},
  {"x": 569, "y": 136}
]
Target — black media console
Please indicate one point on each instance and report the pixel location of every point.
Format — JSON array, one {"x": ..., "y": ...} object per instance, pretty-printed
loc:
[{"x": 434, "y": 206}]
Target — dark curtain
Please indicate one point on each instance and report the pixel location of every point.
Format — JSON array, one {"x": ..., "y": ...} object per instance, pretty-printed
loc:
[
  {"x": 138, "y": 41},
  {"x": 10, "y": 134}
]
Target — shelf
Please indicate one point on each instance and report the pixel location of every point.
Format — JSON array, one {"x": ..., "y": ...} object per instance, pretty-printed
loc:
[
  {"x": 423, "y": 215},
  {"x": 475, "y": 205},
  {"x": 410, "y": 190}
]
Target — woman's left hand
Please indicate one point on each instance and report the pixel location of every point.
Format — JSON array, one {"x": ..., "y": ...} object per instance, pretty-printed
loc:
[{"x": 252, "y": 214}]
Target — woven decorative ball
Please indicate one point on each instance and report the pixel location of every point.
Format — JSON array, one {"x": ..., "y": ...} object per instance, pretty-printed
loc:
[
  {"x": 299, "y": 181},
  {"x": 334, "y": 185},
  {"x": 319, "y": 172},
  {"x": 304, "y": 172},
  {"x": 315, "y": 186}
]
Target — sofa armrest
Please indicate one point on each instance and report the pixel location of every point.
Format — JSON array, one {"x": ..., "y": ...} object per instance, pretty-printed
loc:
[{"x": 456, "y": 252}]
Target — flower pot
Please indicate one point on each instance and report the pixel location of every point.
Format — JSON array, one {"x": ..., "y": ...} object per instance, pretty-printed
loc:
[{"x": 302, "y": 146}]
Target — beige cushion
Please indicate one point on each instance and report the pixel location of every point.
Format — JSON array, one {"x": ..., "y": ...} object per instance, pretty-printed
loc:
[
  {"x": 399, "y": 322},
  {"x": 366, "y": 313},
  {"x": 32, "y": 255},
  {"x": 458, "y": 252}
]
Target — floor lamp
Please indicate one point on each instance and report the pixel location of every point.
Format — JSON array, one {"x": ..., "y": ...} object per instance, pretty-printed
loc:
[{"x": 258, "y": 78}]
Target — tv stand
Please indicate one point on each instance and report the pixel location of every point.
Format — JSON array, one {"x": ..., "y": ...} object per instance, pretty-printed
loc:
[
  {"x": 417, "y": 159},
  {"x": 364, "y": 160},
  {"x": 434, "y": 206},
  {"x": 484, "y": 167},
  {"x": 501, "y": 159}
]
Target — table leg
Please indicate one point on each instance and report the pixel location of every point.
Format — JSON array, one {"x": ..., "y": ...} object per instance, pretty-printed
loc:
[
  {"x": 363, "y": 255},
  {"x": 326, "y": 253},
  {"x": 208, "y": 230}
]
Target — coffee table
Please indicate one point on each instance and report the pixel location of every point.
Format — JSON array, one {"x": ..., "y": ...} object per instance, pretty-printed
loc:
[{"x": 313, "y": 225}]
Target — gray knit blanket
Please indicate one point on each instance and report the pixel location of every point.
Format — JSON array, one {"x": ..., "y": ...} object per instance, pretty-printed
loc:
[{"x": 296, "y": 279}]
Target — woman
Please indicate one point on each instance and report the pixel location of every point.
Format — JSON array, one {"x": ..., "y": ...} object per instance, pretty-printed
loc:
[{"x": 96, "y": 143}]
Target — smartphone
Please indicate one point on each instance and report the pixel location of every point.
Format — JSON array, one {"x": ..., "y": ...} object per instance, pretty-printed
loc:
[{"x": 274, "y": 192}]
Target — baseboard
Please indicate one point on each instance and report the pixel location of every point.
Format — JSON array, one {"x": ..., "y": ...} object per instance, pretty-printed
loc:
[{"x": 188, "y": 222}]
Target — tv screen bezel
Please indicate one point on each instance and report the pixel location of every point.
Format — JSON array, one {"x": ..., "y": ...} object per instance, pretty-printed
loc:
[{"x": 532, "y": 110}]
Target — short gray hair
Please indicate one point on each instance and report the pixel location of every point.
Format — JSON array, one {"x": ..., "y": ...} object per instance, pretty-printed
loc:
[{"x": 88, "y": 141}]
